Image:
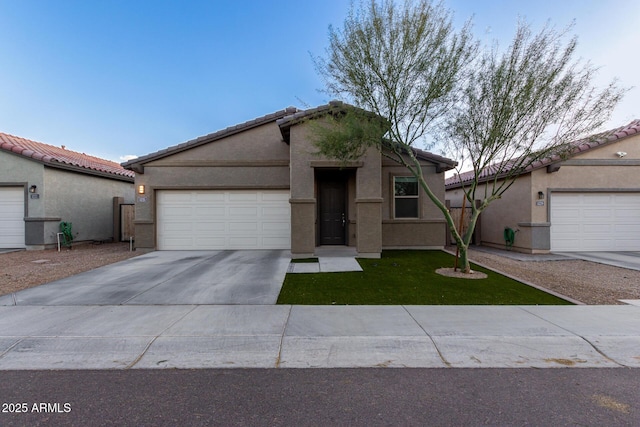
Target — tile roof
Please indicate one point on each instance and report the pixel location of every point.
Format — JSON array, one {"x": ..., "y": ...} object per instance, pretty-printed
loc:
[
  {"x": 286, "y": 122},
  {"x": 578, "y": 147},
  {"x": 63, "y": 158},
  {"x": 134, "y": 164},
  {"x": 284, "y": 119}
]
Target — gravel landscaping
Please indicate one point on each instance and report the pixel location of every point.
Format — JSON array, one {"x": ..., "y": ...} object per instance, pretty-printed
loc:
[
  {"x": 25, "y": 269},
  {"x": 588, "y": 282}
]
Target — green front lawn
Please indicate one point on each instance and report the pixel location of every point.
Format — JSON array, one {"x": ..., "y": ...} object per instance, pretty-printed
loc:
[{"x": 409, "y": 278}]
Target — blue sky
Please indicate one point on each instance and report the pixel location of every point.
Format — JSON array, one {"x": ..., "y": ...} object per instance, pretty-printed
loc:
[{"x": 114, "y": 78}]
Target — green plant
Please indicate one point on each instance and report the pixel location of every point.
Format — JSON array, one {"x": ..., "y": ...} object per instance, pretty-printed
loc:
[{"x": 67, "y": 234}]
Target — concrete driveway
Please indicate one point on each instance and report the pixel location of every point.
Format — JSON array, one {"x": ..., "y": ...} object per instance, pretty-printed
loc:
[
  {"x": 630, "y": 260},
  {"x": 199, "y": 310},
  {"x": 169, "y": 278}
]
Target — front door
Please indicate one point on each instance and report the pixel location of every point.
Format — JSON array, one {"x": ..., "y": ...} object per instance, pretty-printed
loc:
[{"x": 332, "y": 212}]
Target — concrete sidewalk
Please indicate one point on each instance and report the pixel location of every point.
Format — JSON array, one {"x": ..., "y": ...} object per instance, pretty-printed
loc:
[{"x": 283, "y": 336}]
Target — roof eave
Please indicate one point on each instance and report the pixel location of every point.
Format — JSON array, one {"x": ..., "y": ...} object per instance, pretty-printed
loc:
[
  {"x": 137, "y": 165},
  {"x": 86, "y": 171}
]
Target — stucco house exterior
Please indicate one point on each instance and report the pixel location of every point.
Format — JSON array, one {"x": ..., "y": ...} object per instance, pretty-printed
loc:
[
  {"x": 261, "y": 185},
  {"x": 589, "y": 201},
  {"x": 42, "y": 185}
]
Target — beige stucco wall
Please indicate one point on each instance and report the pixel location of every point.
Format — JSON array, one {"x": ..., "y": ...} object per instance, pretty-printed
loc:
[
  {"x": 363, "y": 193},
  {"x": 511, "y": 210},
  {"x": 85, "y": 200},
  {"x": 18, "y": 171},
  {"x": 599, "y": 169},
  {"x": 259, "y": 158},
  {"x": 427, "y": 231},
  {"x": 256, "y": 158}
]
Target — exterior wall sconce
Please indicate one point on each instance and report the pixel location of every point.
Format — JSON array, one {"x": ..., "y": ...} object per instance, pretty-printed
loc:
[
  {"x": 540, "y": 195},
  {"x": 33, "y": 189},
  {"x": 140, "y": 189}
]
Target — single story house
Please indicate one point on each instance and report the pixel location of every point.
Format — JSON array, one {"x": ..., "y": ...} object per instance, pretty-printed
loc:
[
  {"x": 261, "y": 185},
  {"x": 42, "y": 186},
  {"x": 588, "y": 201}
]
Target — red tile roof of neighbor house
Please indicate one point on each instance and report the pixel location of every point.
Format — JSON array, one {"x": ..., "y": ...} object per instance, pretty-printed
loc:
[
  {"x": 578, "y": 147},
  {"x": 63, "y": 158}
]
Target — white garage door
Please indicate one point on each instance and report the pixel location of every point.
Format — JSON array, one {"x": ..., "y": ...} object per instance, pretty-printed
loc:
[
  {"x": 11, "y": 217},
  {"x": 595, "y": 222},
  {"x": 223, "y": 220}
]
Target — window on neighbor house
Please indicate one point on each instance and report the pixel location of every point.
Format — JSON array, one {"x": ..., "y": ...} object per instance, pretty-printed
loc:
[{"x": 405, "y": 197}]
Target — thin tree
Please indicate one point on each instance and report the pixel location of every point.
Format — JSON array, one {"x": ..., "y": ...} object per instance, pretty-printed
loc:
[
  {"x": 520, "y": 107},
  {"x": 409, "y": 67}
]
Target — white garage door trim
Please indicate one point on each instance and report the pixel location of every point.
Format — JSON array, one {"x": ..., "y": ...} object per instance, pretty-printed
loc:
[
  {"x": 216, "y": 219},
  {"x": 12, "y": 218},
  {"x": 595, "y": 222}
]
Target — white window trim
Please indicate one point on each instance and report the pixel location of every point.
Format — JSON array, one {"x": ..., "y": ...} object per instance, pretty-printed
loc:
[{"x": 417, "y": 197}]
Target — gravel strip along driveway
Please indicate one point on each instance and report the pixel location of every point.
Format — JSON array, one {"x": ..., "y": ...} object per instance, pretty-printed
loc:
[
  {"x": 588, "y": 282},
  {"x": 25, "y": 269},
  {"x": 584, "y": 281}
]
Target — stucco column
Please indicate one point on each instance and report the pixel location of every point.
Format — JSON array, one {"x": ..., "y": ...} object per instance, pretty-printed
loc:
[
  {"x": 369, "y": 206},
  {"x": 303, "y": 199},
  {"x": 303, "y": 235}
]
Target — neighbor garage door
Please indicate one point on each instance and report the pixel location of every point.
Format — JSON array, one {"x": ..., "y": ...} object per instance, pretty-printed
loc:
[
  {"x": 223, "y": 220},
  {"x": 11, "y": 217},
  {"x": 595, "y": 222}
]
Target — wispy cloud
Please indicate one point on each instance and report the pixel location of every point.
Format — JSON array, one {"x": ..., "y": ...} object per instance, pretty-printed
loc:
[{"x": 128, "y": 157}]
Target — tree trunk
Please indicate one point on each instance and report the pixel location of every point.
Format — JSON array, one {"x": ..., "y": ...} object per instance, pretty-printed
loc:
[{"x": 465, "y": 267}]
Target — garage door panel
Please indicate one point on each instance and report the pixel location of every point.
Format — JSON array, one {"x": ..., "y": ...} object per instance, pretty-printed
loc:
[
  {"x": 243, "y": 211},
  {"x": 177, "y": 226},
  {"x": 243, "y": 197},
  {"x": 210, "y": 212},
  {"x": 243, "y": 227},
  {"x": 566, "y": 213},
  {"x": 274, "y": 211},
  {"x": 178, "y": 211},
  {"x": 593, "y": 228},
  {"x": 12, "y": 217},
  {"x": 275, "y": 226},
  {"x": 243, "y": 242},
  {"x": 202, "y": 197},
  {"x": 276, "y": 242},
  {"x": 226, "y": 220},
  {"x": 211, "y": 228},
  {"x": 628, "y": 213},
  {"x": 596, "y": 214},
  {"x": 174, "y": 197},
  {"x": 595, "y": 222}
]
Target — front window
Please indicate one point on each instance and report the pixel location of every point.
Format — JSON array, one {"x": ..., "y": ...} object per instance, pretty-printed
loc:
[{"x": 405, "y": 196}]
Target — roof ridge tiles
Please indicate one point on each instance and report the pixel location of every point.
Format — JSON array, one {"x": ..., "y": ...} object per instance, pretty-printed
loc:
[
  {"x": 52, "y": 154},
  {"x": 588, "y": 142}
]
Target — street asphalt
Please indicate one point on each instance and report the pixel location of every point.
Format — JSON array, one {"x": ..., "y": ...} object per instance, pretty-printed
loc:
[
  {"x": 216, "y": 309},
  {"x": 322, "y": 397}
]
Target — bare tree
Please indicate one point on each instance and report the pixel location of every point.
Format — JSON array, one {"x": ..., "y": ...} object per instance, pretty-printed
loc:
[
  {"x": 422, "y": 78},
  {"x": 520, "y": 107}
]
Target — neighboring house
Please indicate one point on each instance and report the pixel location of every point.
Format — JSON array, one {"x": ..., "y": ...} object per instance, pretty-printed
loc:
[
  {"x": 42, "y": 185},
  {"x": 589, "y": 201},
  {"x": 260, "y": 185}
]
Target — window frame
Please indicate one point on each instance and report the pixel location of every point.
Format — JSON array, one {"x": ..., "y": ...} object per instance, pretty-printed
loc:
[{"x": 395, "y": 197}]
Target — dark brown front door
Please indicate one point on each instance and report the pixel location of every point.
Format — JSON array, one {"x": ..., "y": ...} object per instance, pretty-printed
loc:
[{"x": 332, "y": 212}]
